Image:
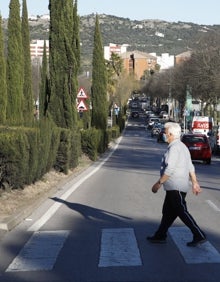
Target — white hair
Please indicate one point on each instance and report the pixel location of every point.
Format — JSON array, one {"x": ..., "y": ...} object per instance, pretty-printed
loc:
[{"x": 173, "y": 128}]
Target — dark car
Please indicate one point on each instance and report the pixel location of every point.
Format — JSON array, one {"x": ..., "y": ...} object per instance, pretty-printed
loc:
[
  {"x": 135, "y": 114},
  {"x": 156, "y": 129},
  {"x": 160, "y": 136},
  {"x": 199, "y": 147},
  {"x": 151, "y": 121}
]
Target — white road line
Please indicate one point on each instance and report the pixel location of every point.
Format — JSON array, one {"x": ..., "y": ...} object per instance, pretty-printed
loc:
[
  {"x": 212, "y": 205},
  {"x": 40, "y": 252},
  {"x": 119, "y": 248},
  {"x": 204, "y": 253},
  {"x": 39, "y": 223}
]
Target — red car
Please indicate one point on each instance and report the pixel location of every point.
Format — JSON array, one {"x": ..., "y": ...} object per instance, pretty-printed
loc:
[{"x": 199, "y": 147}]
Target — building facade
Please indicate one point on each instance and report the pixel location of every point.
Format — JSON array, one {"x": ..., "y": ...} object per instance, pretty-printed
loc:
[
  {"x": 37, "y": 48},
  {"x": 137, "y": 63}
]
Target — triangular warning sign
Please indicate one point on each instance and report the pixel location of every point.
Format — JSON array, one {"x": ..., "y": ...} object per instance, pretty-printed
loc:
[
  {"x": 81, "y": 106},
  {"x": 82, "y": 94}
]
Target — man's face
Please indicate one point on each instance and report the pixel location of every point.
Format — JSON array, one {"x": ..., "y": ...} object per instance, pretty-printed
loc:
[{"x": 169, "y": 136}]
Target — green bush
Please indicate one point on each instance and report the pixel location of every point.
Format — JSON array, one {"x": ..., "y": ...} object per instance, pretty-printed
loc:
[
  {"x": 90, "y": 140},
  {"x": 69, "y": 150},
  {"x": 75, "y": 149},
  {"x": 26, "y": 154},
  {"x": 14, "y": 148}
]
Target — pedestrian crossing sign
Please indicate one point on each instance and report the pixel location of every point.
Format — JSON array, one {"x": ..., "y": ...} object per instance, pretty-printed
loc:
[{"x": 82, "y": 94}]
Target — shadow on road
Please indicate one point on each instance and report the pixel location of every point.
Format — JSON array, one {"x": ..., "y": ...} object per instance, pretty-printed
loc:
[{"x": 90, "y": 213}]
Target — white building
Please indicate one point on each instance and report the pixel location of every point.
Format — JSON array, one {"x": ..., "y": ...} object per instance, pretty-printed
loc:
[
  {"x": 165, "y": 61},
  {"x": 114, "y": 48},
  {"x": 37, "y": 48}
]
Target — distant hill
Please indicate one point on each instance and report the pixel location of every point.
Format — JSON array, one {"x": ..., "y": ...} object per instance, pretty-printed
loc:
[{"x": 147, "y": 35}]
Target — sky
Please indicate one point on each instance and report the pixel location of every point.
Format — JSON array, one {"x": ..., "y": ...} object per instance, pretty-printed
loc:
[{"x": 196, "y": 11}]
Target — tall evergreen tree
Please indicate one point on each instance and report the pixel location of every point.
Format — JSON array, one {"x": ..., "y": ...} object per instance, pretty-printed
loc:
[
  {"x": 3, "y": 88},
  {"x": 15, "y": 66},
  {"x": 28, "y": 93},
  {"x": 76, "y": 37},
  {"x": 76, "y": 61},
  {"x": 44, "y": 86},
  {"x": 99, "y": 82},
  {"x": 62, "y": 62}
]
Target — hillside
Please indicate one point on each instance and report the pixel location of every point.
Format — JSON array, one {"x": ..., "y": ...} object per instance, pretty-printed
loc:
[{"x": 148, "y": 35}]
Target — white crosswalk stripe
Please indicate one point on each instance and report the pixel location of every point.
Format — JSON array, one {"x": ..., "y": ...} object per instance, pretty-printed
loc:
[
  {"x": 119, "y": 248},
  {"x": 204, "y": 253},
  {"x": 40, "y": 252}
]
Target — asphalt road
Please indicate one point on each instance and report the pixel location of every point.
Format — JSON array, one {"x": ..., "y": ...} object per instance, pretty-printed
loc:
[{"x": 94, "y": 228}]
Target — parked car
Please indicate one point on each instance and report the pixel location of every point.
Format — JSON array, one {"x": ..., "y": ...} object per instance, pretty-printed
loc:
[
  {"x": 135, "y": 114},
  {"x": 164, "y": 115},
  {"x": 160, "y": 136},
  {"x": 151, "y": 121},
  {"x": 156, "y": 129},
  {"x": 199, "y": 147}
]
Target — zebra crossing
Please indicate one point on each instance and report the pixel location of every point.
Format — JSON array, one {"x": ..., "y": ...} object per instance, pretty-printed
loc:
[{"x": 119, "y": 247}]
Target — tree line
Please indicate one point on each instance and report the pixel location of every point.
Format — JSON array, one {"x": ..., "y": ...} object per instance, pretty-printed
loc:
[
  {"x": 200, "y": 73},
  {"x": 30, "y": 146}
]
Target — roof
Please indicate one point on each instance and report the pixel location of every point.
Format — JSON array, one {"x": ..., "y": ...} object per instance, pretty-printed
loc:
[
  {"x": 184, "y": 54},
  {"x": 137, "y": 55}
]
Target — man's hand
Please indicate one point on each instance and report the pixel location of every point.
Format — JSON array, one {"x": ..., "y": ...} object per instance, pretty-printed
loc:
[
  {"x": 156, "y": 187},
  {"x": 196, "y": 188}
]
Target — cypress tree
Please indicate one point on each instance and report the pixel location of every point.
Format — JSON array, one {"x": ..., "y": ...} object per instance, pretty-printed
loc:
[
  {"x": 3, "y": 88},
  {"x": 76, "y": 60},
  {"x": 99, "y": 82},
  {"x": 15, "y": 66},
  {"x": 44, "y": 86},
  {"x": 28, "y": 93},
  {"x": 62, "y": 62},
  {"x": 76, "y": 37}
]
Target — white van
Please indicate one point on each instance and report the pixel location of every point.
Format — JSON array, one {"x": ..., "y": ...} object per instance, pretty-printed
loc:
[{"x": 202, "y": 125}]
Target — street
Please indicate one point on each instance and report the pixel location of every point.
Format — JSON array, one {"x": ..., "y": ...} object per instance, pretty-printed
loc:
[{"x": 94, "y": 229}]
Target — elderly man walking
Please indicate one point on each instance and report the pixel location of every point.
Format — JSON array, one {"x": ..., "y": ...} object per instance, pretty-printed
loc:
[{"x": 176, "y": 172}]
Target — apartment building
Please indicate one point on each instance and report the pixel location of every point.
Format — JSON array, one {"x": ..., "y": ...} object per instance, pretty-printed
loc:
[
  {"x": 136, "y": 62},
  {"x": 114, "y": 48},
  {"x": 37, "y": 48}
]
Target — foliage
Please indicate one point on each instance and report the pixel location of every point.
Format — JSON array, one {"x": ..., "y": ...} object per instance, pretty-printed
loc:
[
  {"x": 27, "y": 153},
  {"x": 90, "y": 142},
  {"x": 62, "y": 63},
  {"x": 15, "y": 67},
  {"x": 3, "y": 88},
  {"x": 99, "y": 83},
  {"x": 200, "y": 72},
  {"x": 44, "y": 86},
  {"x": 28, "y": 109}
]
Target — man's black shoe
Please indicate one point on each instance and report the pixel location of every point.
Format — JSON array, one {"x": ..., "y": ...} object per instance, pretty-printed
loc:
[
  {"x": 196, "y": 242},
  {"x": 156, "y": 240}
]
